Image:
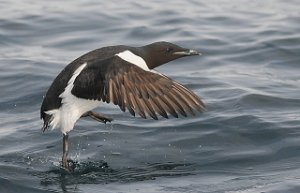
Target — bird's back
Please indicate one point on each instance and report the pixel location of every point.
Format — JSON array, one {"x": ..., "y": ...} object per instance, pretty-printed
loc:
[{"x": 51, "y": 99}]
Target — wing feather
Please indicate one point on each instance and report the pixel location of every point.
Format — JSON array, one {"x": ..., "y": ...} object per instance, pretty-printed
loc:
[{"x": 140, "y": 92}]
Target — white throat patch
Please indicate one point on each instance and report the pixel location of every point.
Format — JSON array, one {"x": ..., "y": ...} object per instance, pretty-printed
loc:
[{"x": 134, "y": 59}]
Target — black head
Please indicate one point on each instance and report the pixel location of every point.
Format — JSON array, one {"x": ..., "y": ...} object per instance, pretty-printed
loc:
[{"x": 159, "y": 53}]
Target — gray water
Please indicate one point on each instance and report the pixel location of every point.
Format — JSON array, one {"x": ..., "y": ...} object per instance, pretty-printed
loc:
[{"x": 248, "y": 140}]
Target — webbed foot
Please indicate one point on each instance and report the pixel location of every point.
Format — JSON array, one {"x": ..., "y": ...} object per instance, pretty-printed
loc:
[{"x": 97, "y": 117}]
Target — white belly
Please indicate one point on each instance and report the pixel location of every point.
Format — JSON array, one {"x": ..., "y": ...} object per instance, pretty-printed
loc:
[
  {"x": 72, "y": 107},
  {"x": 66, "y": 116}
]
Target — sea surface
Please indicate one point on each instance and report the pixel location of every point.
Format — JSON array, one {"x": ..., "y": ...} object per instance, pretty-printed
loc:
[{"x": 248, "y": 140}]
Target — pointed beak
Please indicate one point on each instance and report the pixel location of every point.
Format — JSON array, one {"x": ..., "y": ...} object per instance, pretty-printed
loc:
[{"x": 187, "y": 53}]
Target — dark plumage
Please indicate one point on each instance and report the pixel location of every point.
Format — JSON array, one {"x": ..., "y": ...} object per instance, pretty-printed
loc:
[{"x": 121, "y": 75}]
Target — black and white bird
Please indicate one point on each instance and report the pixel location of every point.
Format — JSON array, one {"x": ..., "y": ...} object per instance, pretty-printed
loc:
[{"x": 122, "y": 75}]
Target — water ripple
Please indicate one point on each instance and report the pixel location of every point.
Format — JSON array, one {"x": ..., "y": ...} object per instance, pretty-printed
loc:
[{"x": 248, "y": 76}]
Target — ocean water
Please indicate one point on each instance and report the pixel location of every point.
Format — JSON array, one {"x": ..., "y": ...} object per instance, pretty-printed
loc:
[{"x": 247, "y": 141}]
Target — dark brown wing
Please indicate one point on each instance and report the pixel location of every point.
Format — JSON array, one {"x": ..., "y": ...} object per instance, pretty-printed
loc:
[{"x": 140, "y": 92}]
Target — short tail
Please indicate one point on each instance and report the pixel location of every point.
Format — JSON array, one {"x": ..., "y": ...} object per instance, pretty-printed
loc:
[
  {"x": 45, "y": 126},
  {"x": 47, "y": 119}
]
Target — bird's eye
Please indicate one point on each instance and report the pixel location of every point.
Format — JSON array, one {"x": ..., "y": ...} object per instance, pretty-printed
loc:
[{"x": 169, "y": 49}]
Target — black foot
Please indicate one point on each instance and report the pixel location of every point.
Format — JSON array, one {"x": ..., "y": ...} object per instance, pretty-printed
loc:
[
  {"x": 97, "y": 117},
  {"x": 69, "y": 166},
  {"x": 66, "y": 165}
]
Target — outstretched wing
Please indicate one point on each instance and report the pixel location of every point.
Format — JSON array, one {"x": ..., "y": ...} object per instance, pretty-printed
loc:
[{"x": 132, "y": 88}]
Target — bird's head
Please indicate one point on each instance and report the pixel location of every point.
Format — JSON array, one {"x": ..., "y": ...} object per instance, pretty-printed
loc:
[{"x": 159, "y": 53}]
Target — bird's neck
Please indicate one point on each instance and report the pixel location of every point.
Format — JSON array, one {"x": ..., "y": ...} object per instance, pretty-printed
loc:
[{"x": 152, "y": 61}]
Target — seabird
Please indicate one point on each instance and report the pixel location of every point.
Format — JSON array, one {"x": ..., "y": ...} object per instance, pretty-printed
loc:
[{"x": 124, "y": 76}]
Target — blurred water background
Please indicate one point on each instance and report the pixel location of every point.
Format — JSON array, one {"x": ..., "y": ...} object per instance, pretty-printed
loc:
[{"x": 249, "y": 77}]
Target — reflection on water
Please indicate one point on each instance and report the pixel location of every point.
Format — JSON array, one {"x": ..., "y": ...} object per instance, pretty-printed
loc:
[{"x": 98, "y": 172}]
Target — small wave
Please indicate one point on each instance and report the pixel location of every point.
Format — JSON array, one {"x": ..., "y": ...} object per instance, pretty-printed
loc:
[{"x": 101, "y": 173}]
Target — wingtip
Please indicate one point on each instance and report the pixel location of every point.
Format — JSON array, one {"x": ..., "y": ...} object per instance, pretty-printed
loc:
[{"x": 202, "y": 107}]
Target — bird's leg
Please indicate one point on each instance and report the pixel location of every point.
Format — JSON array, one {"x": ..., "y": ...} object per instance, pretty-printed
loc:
[
  {"x": 65, "y": 152},
  {"x": 97, "y": 117}
]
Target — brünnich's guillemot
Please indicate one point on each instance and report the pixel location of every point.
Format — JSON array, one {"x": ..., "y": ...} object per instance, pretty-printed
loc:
[{"x": 122, "y": 75}]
